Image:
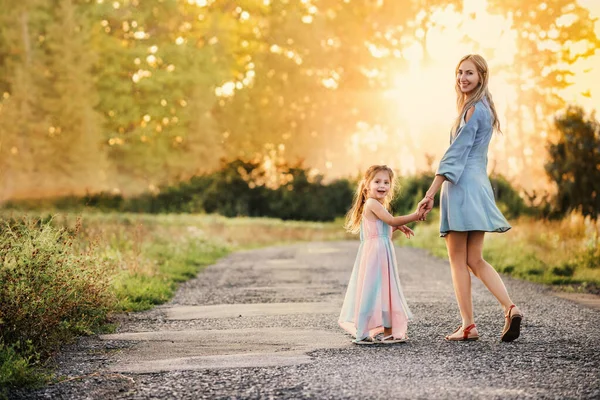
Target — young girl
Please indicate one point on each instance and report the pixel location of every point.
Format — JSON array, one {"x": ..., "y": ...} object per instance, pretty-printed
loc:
[{"x": 374, "y": 302}]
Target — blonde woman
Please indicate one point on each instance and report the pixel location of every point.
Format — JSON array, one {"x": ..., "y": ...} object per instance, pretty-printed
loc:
[{"x": 467, "y": 204}]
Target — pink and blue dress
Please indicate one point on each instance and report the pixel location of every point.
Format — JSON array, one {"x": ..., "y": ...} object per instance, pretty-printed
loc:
[{"x": 374, "y": 297}]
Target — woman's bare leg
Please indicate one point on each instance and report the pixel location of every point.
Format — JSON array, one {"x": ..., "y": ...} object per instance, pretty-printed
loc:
[
  {"x": 456, "y": 243},
  {"x": 484, "y": 271}
]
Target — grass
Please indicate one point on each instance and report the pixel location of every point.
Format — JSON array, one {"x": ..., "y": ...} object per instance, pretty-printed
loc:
[
  {"x": 154, "y": 253},
  {"x": 564, "y": 253},
  {"x": 136, "y": 261}
]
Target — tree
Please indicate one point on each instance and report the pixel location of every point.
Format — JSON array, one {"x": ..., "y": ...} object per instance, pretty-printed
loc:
[
  {"x": 574, "y": 162},
  {"x": 546, "y": 34},
  {"x": 78, "y": 155},
  {"x": 23, "y": 122}
]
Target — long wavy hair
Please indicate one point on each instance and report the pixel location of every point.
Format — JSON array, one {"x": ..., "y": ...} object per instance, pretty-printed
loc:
[
  {"x": 354, "y": 215},
  {"x": 465, "y": 101}
]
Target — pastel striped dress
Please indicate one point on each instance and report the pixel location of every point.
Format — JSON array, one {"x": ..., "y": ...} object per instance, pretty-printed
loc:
[{"x": 374, "y": 297}]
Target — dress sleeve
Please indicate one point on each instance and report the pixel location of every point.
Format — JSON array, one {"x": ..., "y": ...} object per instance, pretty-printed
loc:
[{"x": 454, "y": 160}]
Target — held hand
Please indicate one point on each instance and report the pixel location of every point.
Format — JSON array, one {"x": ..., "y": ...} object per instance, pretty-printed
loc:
[{"x": 424, "y": 207}]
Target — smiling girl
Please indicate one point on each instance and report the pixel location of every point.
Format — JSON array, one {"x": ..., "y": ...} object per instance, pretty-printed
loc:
[{"x": 374, "y": 309}]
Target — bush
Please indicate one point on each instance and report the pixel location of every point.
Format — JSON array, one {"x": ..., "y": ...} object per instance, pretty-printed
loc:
[
  {"x": 48, "y": 292},
  {"x": 508, "y": 199},
  {"x": 413, "y": 188},
  {"x": 16, "y": 367},
  {"x": 573, "y": 161},
  {"x": 240, "y": 188}
]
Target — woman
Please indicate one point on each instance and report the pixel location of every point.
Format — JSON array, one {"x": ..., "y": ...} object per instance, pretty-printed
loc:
[{"x": 468, "y": 208}]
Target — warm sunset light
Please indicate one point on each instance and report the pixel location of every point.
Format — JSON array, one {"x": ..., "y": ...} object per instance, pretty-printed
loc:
[
  {"x": 253, "y": 199},
  {"x": 421, "y": 97},
  {"x": 138, "y": 95}
]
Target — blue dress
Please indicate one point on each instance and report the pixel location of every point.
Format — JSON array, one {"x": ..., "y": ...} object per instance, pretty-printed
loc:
[{"x": 467, "y": 200}]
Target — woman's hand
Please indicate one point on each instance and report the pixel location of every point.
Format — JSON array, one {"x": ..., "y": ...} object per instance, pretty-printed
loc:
[
  {"x": 424, "y": 207},
  {"x": 404, "y": 229}
]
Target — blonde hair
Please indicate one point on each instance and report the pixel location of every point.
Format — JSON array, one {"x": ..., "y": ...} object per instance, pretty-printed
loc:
[
  {"x": 464, "y": 101},
  {"x": 354, "y": 215}
]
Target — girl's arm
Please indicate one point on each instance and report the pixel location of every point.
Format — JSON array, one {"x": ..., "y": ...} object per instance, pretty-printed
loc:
[{"x": 372, "y": 205}]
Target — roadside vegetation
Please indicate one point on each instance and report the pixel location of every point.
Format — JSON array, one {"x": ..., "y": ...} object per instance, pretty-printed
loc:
[
  {"x": 63, "y": 276},
  {"x": 564, "y": 253}
]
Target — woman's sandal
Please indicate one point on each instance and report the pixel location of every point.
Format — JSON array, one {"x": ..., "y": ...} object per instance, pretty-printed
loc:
[
  {"x": 465, "y": 337},
  {"x": 512, "y": 326}
]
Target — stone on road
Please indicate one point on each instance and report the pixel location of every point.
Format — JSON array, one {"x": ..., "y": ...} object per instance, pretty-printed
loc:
[{"x": 263, "y": 324}]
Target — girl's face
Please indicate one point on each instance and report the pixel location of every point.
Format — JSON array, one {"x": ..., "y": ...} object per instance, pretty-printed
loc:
[
  {"x": 379, "y": 187},
  {"x": 467, "y": 76}
]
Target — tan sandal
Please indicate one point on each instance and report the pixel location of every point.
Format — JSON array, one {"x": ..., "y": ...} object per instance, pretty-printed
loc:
[
  {"x": 390, "y": 339},
  {"x": 512, "y": 326},
  {"x": 465, "y": 337},
  {"x": 364, "y": 341}
]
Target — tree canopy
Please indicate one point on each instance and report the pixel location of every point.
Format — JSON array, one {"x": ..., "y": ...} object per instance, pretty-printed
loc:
[{"x": 130, "y": 95}]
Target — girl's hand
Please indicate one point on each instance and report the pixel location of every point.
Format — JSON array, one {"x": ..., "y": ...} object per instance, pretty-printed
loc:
[
  {"x": 404, "y": 229},
  {"x": 424, "y": 207}
]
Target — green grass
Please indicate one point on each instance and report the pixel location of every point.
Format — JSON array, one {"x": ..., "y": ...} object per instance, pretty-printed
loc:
[
  {"x": 174, "y": 264},
  {"x": 133, "y": 261},
  {"x": 564, "y": 253},
  {"x": 19, "y": 367}
]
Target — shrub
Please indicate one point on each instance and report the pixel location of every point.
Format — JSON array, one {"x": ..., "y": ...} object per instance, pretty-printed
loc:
[
  {"x": 48, "y": 292},
  {"x": 240, "y": 188},
  {"x": 16, "y": 367}
]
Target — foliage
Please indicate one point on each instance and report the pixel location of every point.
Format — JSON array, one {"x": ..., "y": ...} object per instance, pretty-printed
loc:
[
  {"x": 574, "y": 163},
  {"x": 542, "y": 66},
  {"x": 413, "y": 188},
  {"x": 508, "y": 199},
  {"x": 19, "y": 367},
  {"x": 176, "y": 263},
  {"x": 137, "y": 95},
  {"x": 140, "y": 94},
  {"x": 239, "y": 188},
  {"x": 78, "y": 269},
  {"x": 559, "y": 252},
  {"x": 48, "y": 292}
]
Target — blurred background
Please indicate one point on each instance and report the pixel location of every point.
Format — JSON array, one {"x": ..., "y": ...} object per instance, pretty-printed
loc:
[
  {"x": 128, "y": 97},
  {"x": 268, "y": 108}
]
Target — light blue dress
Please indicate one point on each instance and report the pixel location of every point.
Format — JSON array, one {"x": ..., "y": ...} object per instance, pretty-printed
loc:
[{"x": 467, "y": 200}]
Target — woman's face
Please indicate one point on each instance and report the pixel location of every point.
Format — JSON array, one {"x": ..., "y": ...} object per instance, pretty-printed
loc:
[{"x": 467, "y": 76}]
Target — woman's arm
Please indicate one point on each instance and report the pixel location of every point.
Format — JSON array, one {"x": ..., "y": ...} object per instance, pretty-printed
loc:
[
  {"x": 454, "y": 160},
  {"x": 372, "y": 205},
  {"x": 435, "y": 186}
]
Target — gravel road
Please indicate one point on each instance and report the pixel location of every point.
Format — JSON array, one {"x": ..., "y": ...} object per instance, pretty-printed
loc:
[{"x": 262, "y": 324}]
